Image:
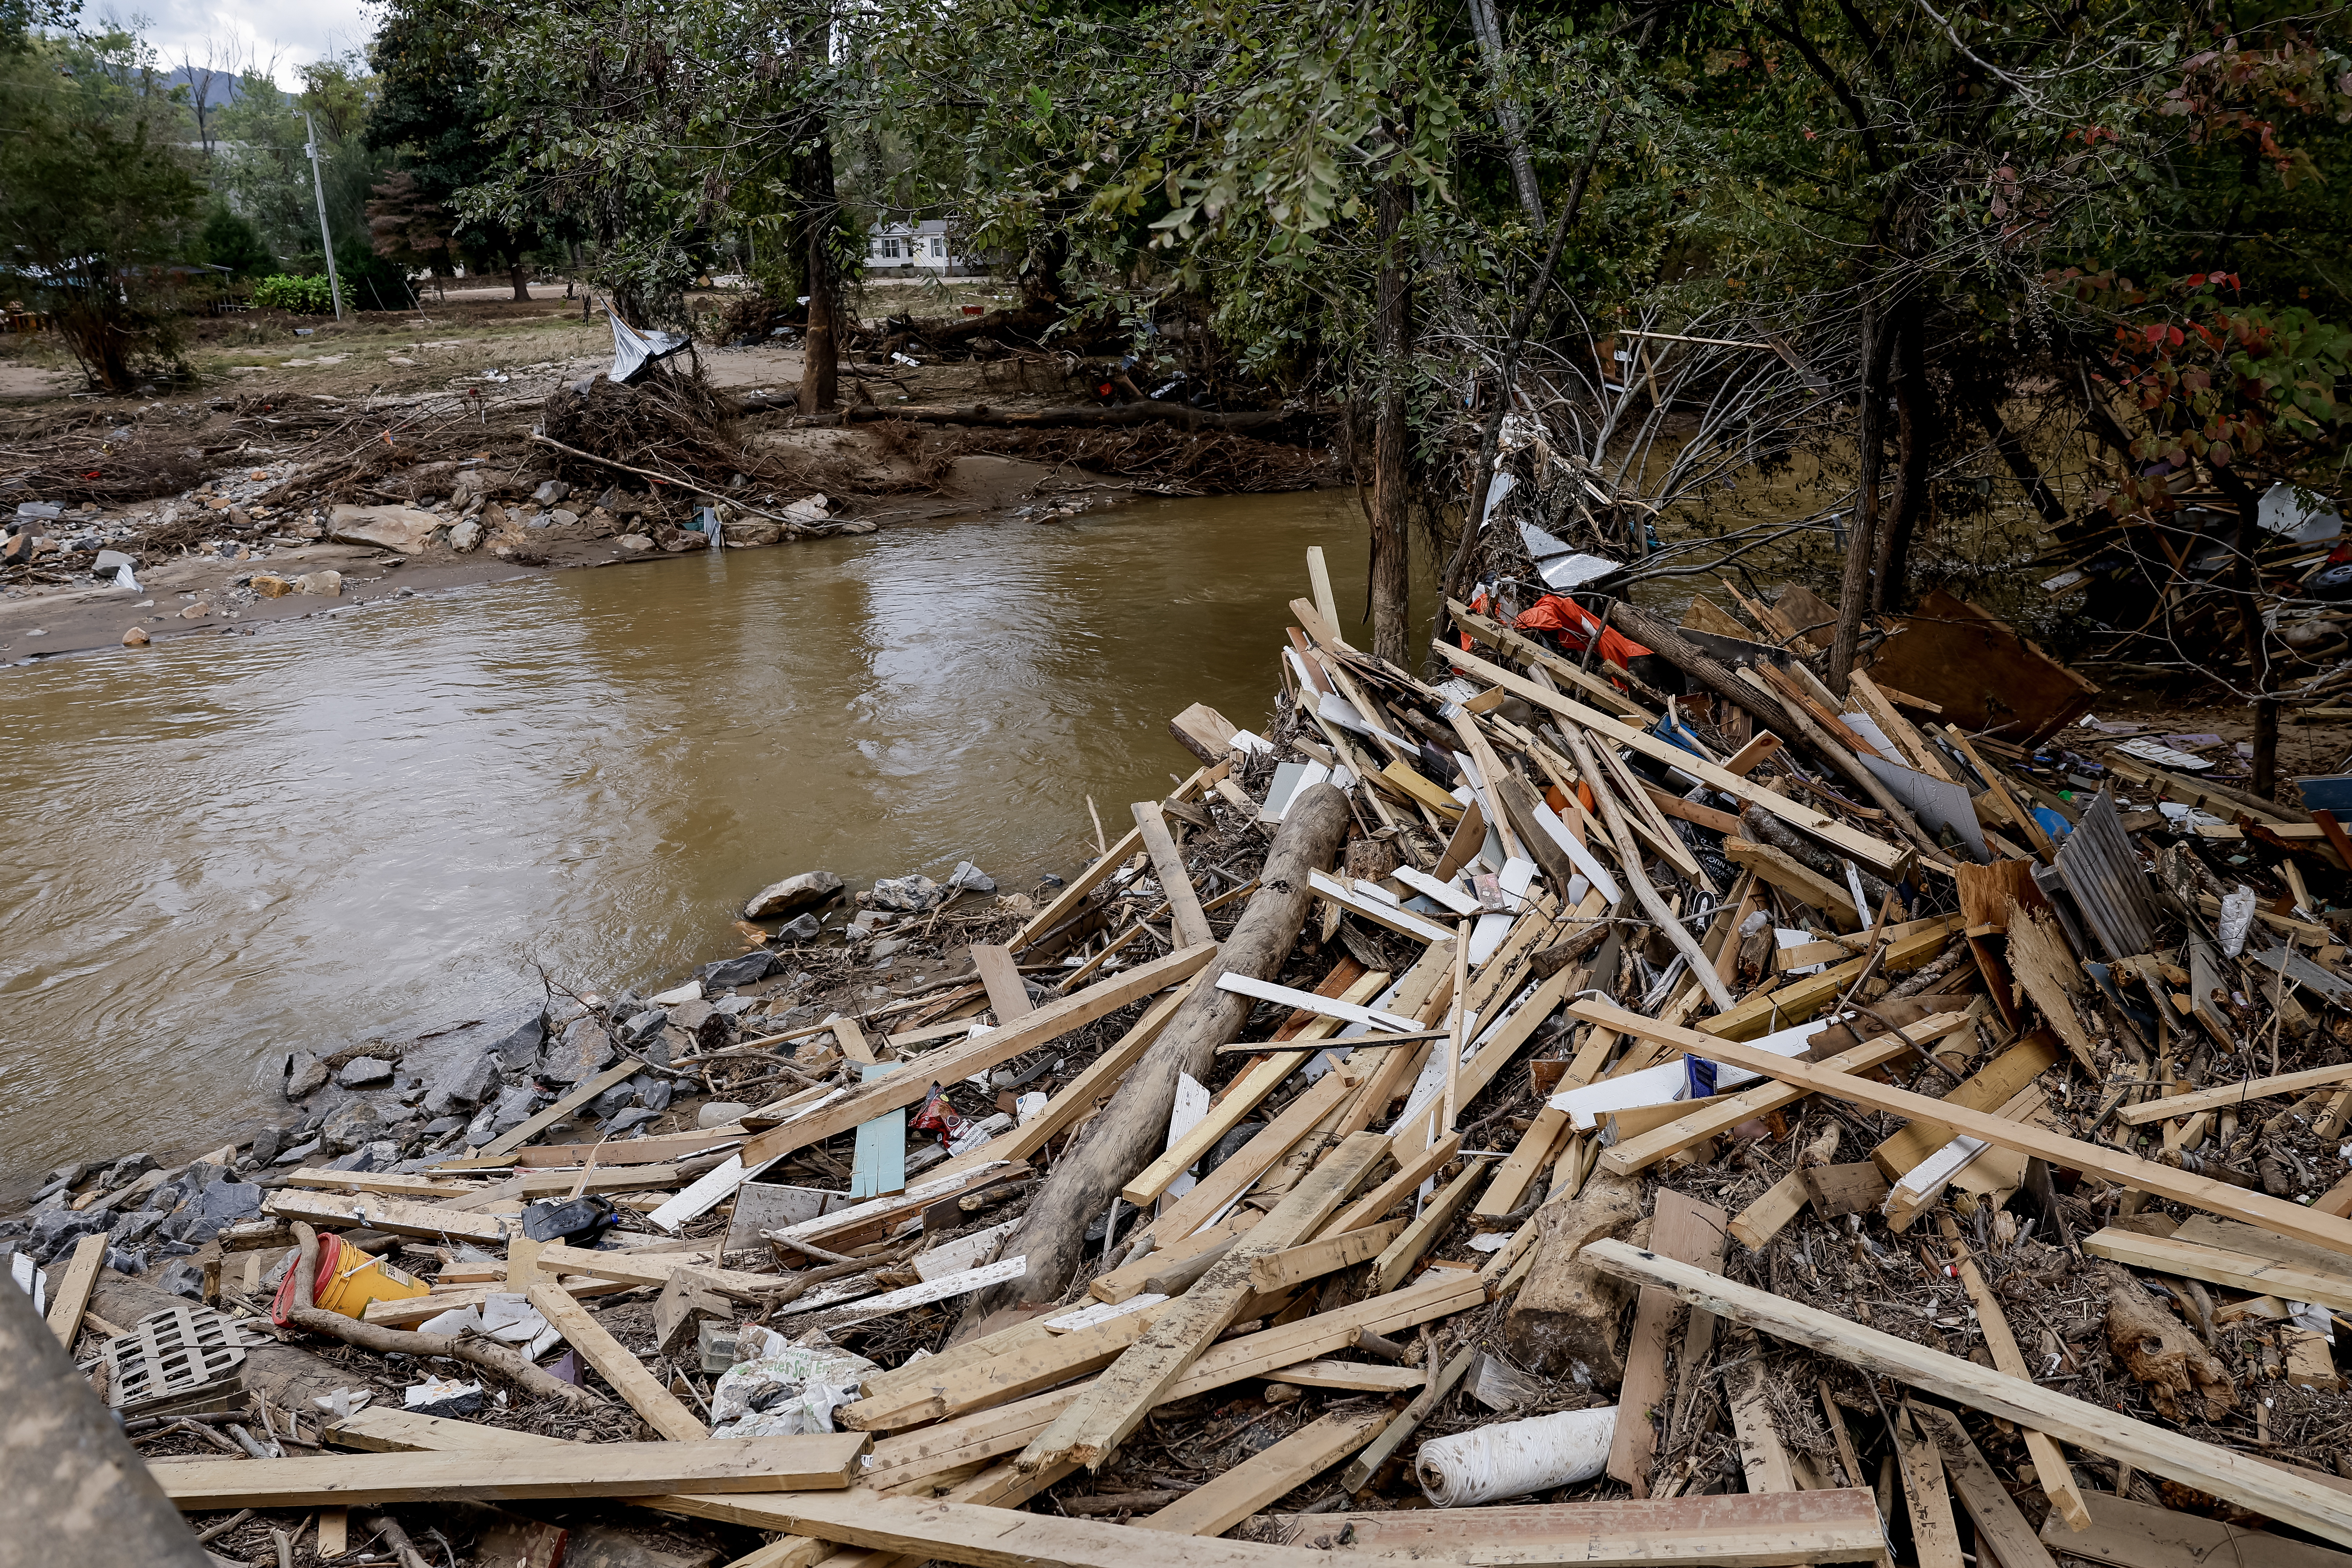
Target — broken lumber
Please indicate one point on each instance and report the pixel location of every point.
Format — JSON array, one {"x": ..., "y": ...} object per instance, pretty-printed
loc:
[{"x": 1737, "y": 1531}]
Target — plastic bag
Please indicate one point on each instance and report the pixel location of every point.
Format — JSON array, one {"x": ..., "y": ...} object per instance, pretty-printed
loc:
[
  {"x": 939, "y": 1116},
  {"x": 783, "y": 1389},
  {"x": 2237, "y": 919}
]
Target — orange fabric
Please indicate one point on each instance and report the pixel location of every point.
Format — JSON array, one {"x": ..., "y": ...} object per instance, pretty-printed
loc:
[{"x": 1574, "y": 625}]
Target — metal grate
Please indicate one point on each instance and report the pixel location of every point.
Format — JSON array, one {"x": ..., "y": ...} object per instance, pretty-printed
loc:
[{"x": 175, "y": 1361}]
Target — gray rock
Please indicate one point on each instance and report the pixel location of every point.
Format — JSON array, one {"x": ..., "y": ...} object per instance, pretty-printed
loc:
[
  {"x": 792, "y": 896},
  {"x": 613, "y": 1102},
  {"x": 363, "y": 1073},
  {"x": 382, "y": 1154},
  {"x": 182, "y": 1277},
  {"x": 300, "y": 1153},
  {"x": 734, "y": 1006},
  {"x": 510, "y": 1110},
  {"x": 519, "y": 1050},
  {"x": 357, "y": 1159},
  {"x": 689, "y": 1015},
  {"x": 135, "y": 1227},
  {"x": 349, "y": 1126},
  {"x": 890, "y": 947},
  {"x": 124, "y": 1261},
  {"x": 629, "y": 1120},
  {"x": 968, "y": 878},
  {"x": 801, "y": 928},
  {"x": 733, "y": 972},
  {"x": 442, "y": 1126},
  {"x": 719, "y": 1113},
  {"x": 644, "y": 1025},
  {"x": 654, "y": 1091},
  {"x": 108, "y": 561},
  {"x": 551, "y": 491},
  {"x": 583, "y": 1052},
  {"x": 264, "y": 1145},
  {"x": 124, "y": 1169},
  {"x": 55, "y": 1233},
  {"x": 305, "y": 1075},
  {"x": 63, "y": 1176},
  {"x": 910, "y": 895},
  {"x": 465, "y": 1082}
]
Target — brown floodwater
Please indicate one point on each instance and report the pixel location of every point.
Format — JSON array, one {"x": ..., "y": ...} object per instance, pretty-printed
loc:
[{"x": 373, "y": 825}]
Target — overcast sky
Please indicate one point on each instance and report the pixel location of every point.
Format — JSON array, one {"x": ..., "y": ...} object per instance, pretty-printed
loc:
[{"x": 277, "y": 35}]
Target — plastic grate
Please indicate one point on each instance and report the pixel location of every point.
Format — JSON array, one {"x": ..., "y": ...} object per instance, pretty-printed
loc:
[{"x": 176, "y": 1360}]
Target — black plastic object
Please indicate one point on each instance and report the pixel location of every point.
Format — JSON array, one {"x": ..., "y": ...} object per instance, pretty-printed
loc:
[{"x": 579, "y": 1221}]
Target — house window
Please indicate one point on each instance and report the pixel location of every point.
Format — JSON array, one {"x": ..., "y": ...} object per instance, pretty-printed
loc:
[
  {"x": 939, "y": 248},
  {"x": 890, "y": 248}
]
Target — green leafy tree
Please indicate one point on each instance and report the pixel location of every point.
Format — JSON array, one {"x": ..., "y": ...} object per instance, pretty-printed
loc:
[
  {"x": 96, "y": 199},
  {"x": 262, "y": 167},
  {"x": 230, "y": 240}
]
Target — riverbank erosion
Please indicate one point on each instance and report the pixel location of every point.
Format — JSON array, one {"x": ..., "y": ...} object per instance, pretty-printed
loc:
[{"x": 1533, "y": 1114}]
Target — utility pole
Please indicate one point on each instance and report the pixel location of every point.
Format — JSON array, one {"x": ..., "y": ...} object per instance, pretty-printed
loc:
[{"x": 319, "y": 189}]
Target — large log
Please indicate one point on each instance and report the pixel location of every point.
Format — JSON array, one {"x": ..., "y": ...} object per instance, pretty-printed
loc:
[{"x": 1132, "y": 1129}]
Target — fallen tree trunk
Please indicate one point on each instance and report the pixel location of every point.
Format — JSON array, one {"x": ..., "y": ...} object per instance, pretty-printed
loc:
[
  {"x": 1132, "y": 1129},
  {"x": 1183, "y": 416}
]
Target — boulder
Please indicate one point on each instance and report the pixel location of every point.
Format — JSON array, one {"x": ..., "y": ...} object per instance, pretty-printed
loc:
[
  {"x": 348, "y": 1127},
  {"x": 909, "y": 895},
  {"x": 628, "y": 1120},
  {"x": 733, "y": 972},
  {"x": 464, "y": 1083},
  {"x": 689, "y": 1016},
  {"x": 654, "y": 1091},
  {"x": 641, "y": 1026},
  {"x": 136, "y": 638},
  {"x": 583, "y": 1052},
  {"x": 800, "y": 928},
  {"x": 510, "y": 1110},
  {"x": 56, "y": 1231},
  {"x": 519, "y": 1050},
  {"x": 689, "y": 992},
  {"x": 305, "y": 1075},
  {"x": 465, "y": 537},
  {"x": 401, "y": 528},
  {"x": 326, "y": 585},
  {"x": 635, "y": 544},
  {"x": 269, "y": 586},
  {"x": 968, "y": 878},
  {"x": 363, "y": 1073},
  {"x": 720, "y": 1113},
  {"x": 752, "y": 531},
  {"x": 182, "y": 1277},
  {"x": 792, "y": 896},
  {"x": 550, "y": 491}
]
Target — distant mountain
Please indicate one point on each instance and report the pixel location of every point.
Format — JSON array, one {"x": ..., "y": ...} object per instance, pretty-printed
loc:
[{"x": 214, "y": 90}]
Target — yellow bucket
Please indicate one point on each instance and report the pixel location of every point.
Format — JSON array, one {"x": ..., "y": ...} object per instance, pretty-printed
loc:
[{"x": 349, "y": 1279}]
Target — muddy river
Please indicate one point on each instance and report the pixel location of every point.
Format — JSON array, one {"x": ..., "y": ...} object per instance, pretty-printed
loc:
[{"x": 373, "y": 825}]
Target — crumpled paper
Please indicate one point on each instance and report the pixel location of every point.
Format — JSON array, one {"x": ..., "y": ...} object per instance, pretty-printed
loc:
[{"x": 782, "y": 1389}]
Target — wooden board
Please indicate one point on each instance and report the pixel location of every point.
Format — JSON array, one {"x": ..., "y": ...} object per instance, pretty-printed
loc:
[
  {"x": 515, "y": 1138},
  {"x": 1190, "y": 926},
  {"x": 1797, "y": 879},
  {"x": 2050, "y": 1466},
  {"x": 2233, "y": 1094},
  {"x": 1007, "y": 996},
  {"x": 2217, "y": 1266},
  {"x": 1528, "y": 1158},
  {"x": 1834, "y": 1190},
  {"x": 817, "y": 1462},
  {"x": 2275, "y": 1493},
  {"x": 1231, "y": 1498},
  {"x": 1980, "y": 671},
  {"x": 2140, "y": 1535},
  {"x": 1991, "y": 1510},
  {"x": 1408, "y": 1176},
  {"x": 995, "y": 1048},
  {"x": 2039, "y": 1142},
  {"x": 1989, "y": 1088},
  {"x": 1311, "y": 1260},
  {"x": 1935, "y": 1537},
  {"x": 1735, "y": 1531},
  {"x": 1437, "y": 1216},
  {"x": 1685, "y": 1228},
  {"x": 395, "y": 1217},
  {"x": 878, "y": 1159},
  {"x": 69, "y": 1294},
  {"x": 1370, "y": 1377},
  {"x": 1699, "y": 1120},
  {"x": 1886, "y": 859},
  {"x": 629, "y": 1376},
  {"x": 1805, "y": 998}
]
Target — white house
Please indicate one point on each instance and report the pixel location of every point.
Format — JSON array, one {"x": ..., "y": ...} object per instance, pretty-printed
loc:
[{"x": 916, "y": 245}]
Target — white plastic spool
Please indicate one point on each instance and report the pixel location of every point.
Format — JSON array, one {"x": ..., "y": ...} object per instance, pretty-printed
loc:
[{"x": 1516, "y": 1458}]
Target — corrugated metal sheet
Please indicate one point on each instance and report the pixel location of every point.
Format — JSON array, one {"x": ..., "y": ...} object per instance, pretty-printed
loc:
[{"x": 2103, "y": 872}]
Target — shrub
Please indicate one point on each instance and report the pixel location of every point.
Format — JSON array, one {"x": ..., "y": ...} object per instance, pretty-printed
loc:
[{"x": 302, "y": 296}]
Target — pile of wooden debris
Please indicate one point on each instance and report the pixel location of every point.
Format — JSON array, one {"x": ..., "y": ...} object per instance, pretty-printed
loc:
[{"x": 1509, "y": 1121}]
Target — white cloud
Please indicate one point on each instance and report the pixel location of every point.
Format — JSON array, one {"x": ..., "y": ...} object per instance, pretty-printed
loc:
[{"x": 276, "y": 35}]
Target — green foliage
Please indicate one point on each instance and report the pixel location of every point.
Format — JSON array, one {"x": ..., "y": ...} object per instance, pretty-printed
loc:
[
  {"x": 230, "y": 240},
  {"x": 302, "y": 296},
  {"x": 371, "y": 282},
  {"x": 95, "y": 197},
  {"x": 261, "y": 166}
]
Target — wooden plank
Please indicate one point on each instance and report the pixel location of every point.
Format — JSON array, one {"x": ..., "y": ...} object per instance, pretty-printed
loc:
[
  {"x": 2218, "y": 1266},
  {"x": 824, "y": 1460},
  {"x": 1743, "y": 762},
  {"x": 1502, "y": 638},
  {"x": 1993, "y": 1086},
  {"x": 1319, "y": 578},
  {"x": 1886, "y": 859},
  {"x": 1797, "y": 879},
  {"x": 1805, "y": 998},
  {"x": 1935, "y": 1537},
  {"x": 1991, "y": 1510},
  {"x": 627, "y": 1374},
  {"x": 1013, "y": 1373},
  {"x": 2284, "y": 1495},
  {"x": 1838, "y": 1190},
  {"x": 1007, "y": 996},
  {"x": 1191, "y": 927},
  {"x": 506, "y": 1143},
  {"x": 2038, "y": 1142},
  {"x": 2140, "y": 1535},
  {"x": 397, "y": 1216},
  {"x": 1765, "y": 1218},
  {"x": 1116, "y": 1402},
  {"x": 1396, "y": 1259},
  {"x": 1761, "y": 1455},
  {"x": 394, "y": 1183},
  {"x": 1528, "y": 1158},
  {"x": 993, "y": 1048},
  {"x": 1719, "y": 1113},
  {"x": 70, "y": 1296},
  {"x": 2233, "y": 1094},
  {"x": 409, "y": 1311},
  {"x": 1066, "y": 903},
  {"x": 1734, "y": 1530},
  {"x": 1408, "y": 1176},
  {"x": 1370, "y": 1377},
  {"x": 1218, "y": 1190},
  {"x": 1685, "y": 1228},
  {"x": 1724, "y": 822},
  {"x": 1313, "y": 1259},
  {"x": 1918, "y": 751},
  {"x": 1232, "y": 1496},
  {"x": 334, "y": 1533}
]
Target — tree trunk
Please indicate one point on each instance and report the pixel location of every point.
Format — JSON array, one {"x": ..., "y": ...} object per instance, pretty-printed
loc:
[
  {"x": 1862, "y": 539},
  {"x": 1914, "y": 447},
  {"x": 820, "y": 353},
  {"x": 519, "y": 275},
  {"x": 1507, "y": 112},
  {"x": 2020, "y": 462},
  {"x": 1392, "y": 335},
  {"x": 2253, "y": 638},
  {"x": 1132, "y": 1129}
]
